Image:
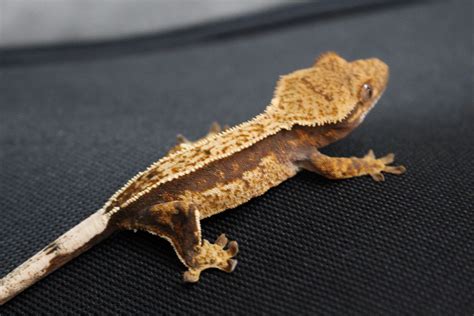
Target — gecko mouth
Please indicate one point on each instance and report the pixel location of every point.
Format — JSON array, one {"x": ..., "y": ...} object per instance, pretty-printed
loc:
[{"x": 360, "y": 111}]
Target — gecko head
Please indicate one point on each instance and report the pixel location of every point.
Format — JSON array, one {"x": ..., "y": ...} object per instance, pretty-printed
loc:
[{"x": 331, "y": 91}]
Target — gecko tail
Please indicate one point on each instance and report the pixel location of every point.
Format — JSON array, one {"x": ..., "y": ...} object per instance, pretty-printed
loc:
[{"x": 71, "y": 244}]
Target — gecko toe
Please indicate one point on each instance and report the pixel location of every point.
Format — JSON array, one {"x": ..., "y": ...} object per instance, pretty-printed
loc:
[
  {"x": 378, "y": 177},
  {"x": 221, "y": 240},
  {"x": 395, "y": 169},
  {"x": 191, "y": 276},
  {"x": 233, "y": 248},
  {"x": 180, "y": 139},
  {"x": 387, "y": 159},
  {"x": 231, "y": 264},
  {"x": 370, "y": 154}
]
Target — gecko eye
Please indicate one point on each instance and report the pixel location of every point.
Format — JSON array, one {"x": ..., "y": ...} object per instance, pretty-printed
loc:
[{"x": 366, "y": 92}]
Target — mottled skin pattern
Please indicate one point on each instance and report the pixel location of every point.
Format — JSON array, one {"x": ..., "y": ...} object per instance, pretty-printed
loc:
[{"x": 311, "y": 108}]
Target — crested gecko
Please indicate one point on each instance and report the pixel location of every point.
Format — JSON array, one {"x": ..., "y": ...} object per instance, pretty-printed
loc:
[{"x": 311, "y": 108}]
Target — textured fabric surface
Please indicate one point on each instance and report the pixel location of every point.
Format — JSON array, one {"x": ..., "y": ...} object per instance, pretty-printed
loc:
[{"x": 73, "y": 132}]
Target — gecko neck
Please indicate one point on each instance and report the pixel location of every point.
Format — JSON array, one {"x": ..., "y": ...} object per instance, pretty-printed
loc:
[{"x": 321, "y": 136}]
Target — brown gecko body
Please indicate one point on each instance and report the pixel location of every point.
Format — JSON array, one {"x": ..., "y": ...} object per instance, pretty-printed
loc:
[
  {"x": 311, "y": 108},
  {"x": 248, "y": 173}
]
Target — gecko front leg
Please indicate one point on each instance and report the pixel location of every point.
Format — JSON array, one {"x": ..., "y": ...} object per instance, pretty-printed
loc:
[
  {"x": 343, "y": 168},
  {"x": 178, "y": 222}
]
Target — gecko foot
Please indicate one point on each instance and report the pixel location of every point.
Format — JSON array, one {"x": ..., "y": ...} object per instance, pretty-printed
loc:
[
  {"x": 216, "y": 128},
  {"x": 215, "y": 255},
  {"x": 379, "y": 165},
  {"x": 182, "y": 142}
]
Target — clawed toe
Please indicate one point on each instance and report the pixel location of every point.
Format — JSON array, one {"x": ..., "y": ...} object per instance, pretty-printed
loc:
[
  {"x": 230, "y": 266},
  {"x": 221, "y": 240},
  {"x": 387, "y": 159},
  {"x": 233, "y": 248},
  {"x": 180, "y": 139},
  {"x": 395, "y": 169},
  {"x": 216, "y": 128},
  {"x": 191, "y": 276},
  {"x": 370, "y": 154},
  {"x": 378, "y": 177}
]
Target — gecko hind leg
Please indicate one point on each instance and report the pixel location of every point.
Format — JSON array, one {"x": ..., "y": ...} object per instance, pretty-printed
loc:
[
  {"x": 178, "y": 222},
  {"x": 182, "y": 142}
]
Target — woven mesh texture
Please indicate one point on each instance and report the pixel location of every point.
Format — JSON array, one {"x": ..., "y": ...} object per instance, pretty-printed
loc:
[{"x": 73, "y": 132}]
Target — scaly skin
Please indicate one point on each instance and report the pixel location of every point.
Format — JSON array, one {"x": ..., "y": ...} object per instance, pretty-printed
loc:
[{"x": 311, "y": 108}]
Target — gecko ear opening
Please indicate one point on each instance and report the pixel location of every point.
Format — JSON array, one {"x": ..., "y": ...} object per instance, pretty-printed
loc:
[{"x": 329, "y": 58}]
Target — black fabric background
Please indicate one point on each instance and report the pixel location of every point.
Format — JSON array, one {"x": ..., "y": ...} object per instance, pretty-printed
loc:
[{"x": 72, "y": 132}]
